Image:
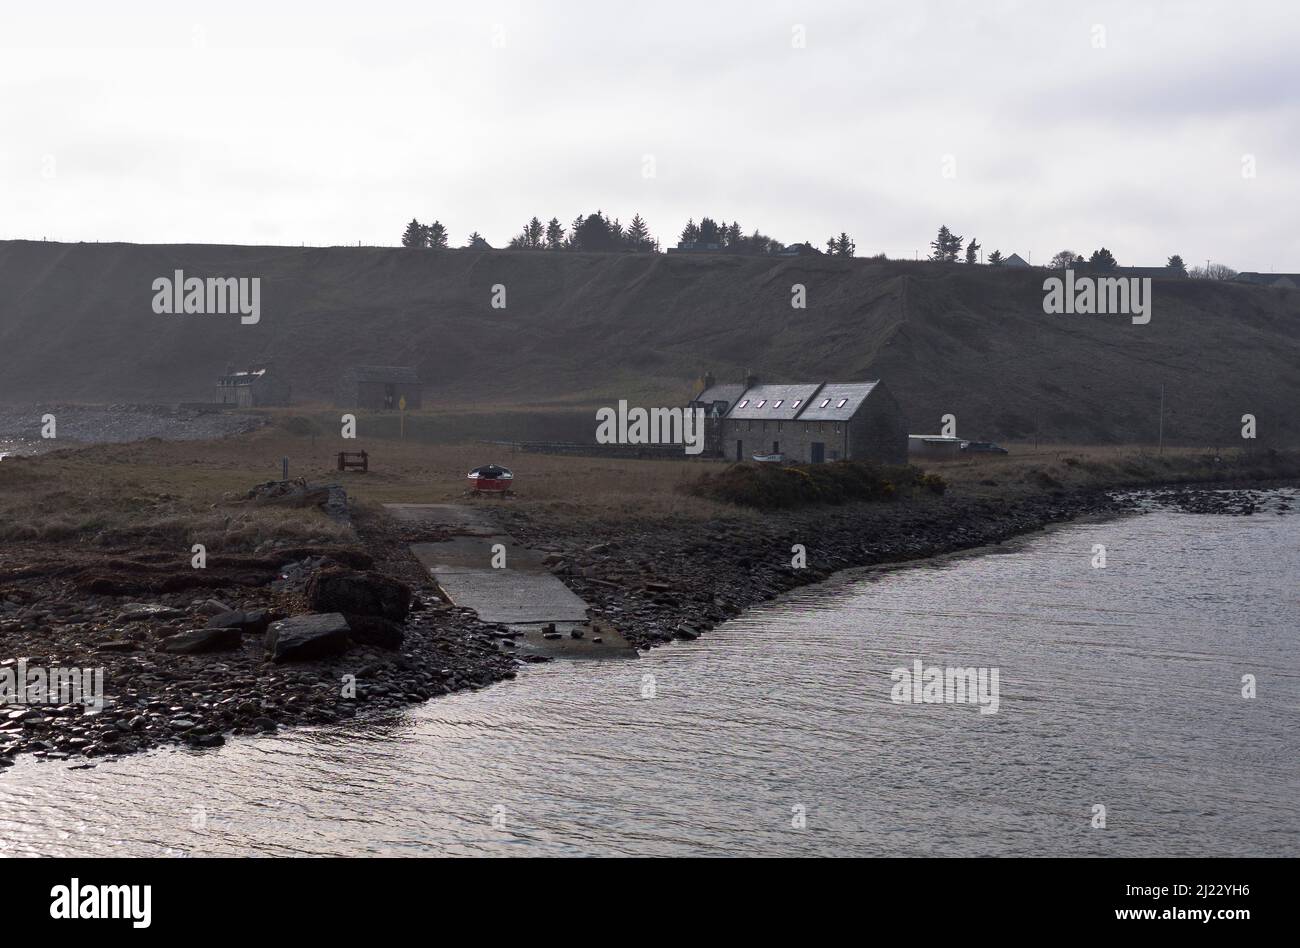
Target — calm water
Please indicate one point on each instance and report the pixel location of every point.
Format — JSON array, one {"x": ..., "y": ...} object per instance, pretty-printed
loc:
[{"x": 1118, "y": 686}]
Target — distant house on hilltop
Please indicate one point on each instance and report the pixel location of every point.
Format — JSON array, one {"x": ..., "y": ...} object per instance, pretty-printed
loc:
[
  {"x": 1155, "y": 273},
  {"x": 1282, "y": 281},
  {"x": 255, "y": 387},
  {"x": 684, "y": 246},
  {"x": 1015, "y": 260},
  {"x": 804, "y": 249},
  {"x": 379, "y": 387},
  {"x": 809, "y": 422}
]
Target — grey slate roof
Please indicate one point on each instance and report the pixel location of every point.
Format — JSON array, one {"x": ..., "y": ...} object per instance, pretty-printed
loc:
[
  {"x": 793, "y": 399},
  {"x": 852, "y": 394},
  {"x": 728, "y": 392},
  {"x": 242, "y": 378},
  {"x": 382, "y": 373}
]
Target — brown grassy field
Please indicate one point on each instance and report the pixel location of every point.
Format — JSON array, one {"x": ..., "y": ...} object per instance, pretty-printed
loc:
[{"x": 161, "y": 494}]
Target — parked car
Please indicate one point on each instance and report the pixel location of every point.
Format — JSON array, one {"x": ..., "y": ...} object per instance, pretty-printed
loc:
[{"x": 982, "y": 447}]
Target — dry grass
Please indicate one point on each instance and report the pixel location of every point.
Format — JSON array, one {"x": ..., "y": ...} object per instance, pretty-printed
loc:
[
  {"x": 177, "y": 493},
  {"x": 1068, "y": 466},
  {"x": 172, "y": 494}
]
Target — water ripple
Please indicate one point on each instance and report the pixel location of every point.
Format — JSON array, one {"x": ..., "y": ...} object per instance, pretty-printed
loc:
[{"x": 1118, "y": 686}]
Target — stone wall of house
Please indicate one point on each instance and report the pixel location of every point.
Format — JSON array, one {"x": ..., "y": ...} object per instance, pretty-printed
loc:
[
  {"x": 878, "y": 431},
  {"x": 373, "y": 396},
  {"x": 794, "y": 439},
  {"x": 270, "y": 391}
]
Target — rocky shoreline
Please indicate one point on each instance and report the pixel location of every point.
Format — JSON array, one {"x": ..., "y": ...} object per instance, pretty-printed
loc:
[
  {"x": 181, "y": 668},
  {"x": 116, "y": 424},
  {"x": 654, "y": 580},
  {"x": 676, "y": 580}
]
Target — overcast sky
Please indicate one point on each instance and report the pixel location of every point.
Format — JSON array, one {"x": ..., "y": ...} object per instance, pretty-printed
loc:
[{"x": 1033, "y": 127}]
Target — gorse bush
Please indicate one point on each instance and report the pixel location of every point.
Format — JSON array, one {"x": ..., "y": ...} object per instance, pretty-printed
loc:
[{"x": 773, "y": 487}]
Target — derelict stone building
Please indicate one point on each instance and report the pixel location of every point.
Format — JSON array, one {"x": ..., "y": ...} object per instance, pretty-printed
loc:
[
  {"x": 255, "y": 387},
  {"x": 380, "y": 387}
]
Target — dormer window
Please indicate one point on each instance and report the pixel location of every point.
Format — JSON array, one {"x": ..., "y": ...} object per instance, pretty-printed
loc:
[
  {"x": 743, "y": 403},
  {"x": 777, "y": 403},
  {"x": 761, "y": 402},
  {"x": 842, "y": 403},
  {"x": 797, "y": 403},
  {"x": 824, "y": 403}
]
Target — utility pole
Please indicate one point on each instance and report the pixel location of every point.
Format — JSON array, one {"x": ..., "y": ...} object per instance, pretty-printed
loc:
[{"x": 1161, "y": 448}]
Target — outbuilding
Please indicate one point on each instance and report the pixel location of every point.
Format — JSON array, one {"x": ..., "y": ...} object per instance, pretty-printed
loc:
[{"x": 380, "y": 388}]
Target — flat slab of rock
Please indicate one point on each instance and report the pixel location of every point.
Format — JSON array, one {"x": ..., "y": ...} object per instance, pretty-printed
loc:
[
  {"x": 255, "y": 621},
  {"x": 302, "y": 638},
  {"x": 145, "y": 612},
  {"x": 195, "y": 641}
]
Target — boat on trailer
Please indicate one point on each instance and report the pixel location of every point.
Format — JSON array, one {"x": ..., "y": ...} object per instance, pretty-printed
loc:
[{"x": 491, "y": 479}]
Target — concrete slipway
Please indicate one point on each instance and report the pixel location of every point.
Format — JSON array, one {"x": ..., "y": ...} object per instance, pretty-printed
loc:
[{"x": 524, "y": 595}]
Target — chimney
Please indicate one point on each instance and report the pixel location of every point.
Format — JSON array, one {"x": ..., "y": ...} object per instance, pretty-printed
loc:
[
  {"x": 750, "y": 379},
  {"x": 709, "y": 380}
]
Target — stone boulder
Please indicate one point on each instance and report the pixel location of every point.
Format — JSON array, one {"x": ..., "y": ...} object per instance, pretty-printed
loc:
[
  {"x": 194, "y": 641},
  {"x": 252, "y": 622},
  {"x": 302, "y": 638},
  {"x": 356, "y": 592},
  {"x": 376, "y": 631}
]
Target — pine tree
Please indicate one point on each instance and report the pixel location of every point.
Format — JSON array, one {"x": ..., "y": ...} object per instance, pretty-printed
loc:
[
  {"x": 972, "y": 249},
  {"x": 1102, "y": 259},
  {"x": 1176, "y": 264},
  {"x": 436, "y": 236},
  {"x": 954, "y": 248},
  {"x": 941, "y": 244},
  {"x": 710, "y": 233},
  {"x": 690, "y": 233},
  {"x": 414, "y": 235},
  {"x": 594, "y": 234},
  {"x": 841, "y": 246},
  {"x": 638, "y": 235},
  {"x": 554, "y": 234},
  {"x": 995, "y": 258},
  {"x": 571, "y": 242},
  {"x": 534, "y": 234}
]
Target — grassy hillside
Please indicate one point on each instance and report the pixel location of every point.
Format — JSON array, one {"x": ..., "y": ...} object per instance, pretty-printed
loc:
[{"x": 583, "y": 329}]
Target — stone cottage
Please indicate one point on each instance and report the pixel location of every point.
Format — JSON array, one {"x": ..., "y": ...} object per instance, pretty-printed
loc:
[{"x": 807, "y": 423}]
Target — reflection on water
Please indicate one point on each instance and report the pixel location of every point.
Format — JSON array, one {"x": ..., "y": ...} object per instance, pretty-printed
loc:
[{"x": 1119, "y": 686}]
